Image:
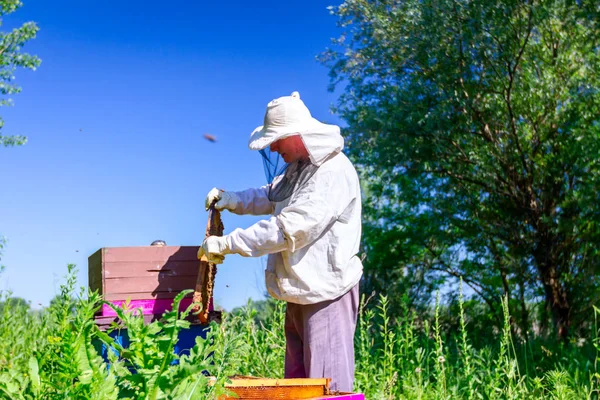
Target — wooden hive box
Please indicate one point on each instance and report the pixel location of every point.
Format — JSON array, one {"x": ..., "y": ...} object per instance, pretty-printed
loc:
[
  {"x": 148, "y": 276},
  {"x": 245, "y": 388}
]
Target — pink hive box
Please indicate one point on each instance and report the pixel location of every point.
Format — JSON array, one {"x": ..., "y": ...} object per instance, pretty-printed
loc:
[{"x": 148, "y": 276}]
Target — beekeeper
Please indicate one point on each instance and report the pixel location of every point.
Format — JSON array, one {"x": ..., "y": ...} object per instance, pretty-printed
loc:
[{"x": 312, "y": 238}]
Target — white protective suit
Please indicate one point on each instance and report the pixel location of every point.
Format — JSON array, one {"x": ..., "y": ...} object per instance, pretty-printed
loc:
[{"x": 313, "y": 236}]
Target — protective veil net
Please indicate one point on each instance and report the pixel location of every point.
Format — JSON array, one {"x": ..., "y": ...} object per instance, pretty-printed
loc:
[{"x": 285, "y": 179}]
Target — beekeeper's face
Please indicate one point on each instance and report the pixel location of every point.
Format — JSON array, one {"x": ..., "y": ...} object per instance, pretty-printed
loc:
[{"x": 290, "y": 148}]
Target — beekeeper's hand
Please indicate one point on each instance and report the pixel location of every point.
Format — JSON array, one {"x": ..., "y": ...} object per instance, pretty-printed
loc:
[
  {"x": 228, "y": 200},
  {"x": 214, "y": 248}
]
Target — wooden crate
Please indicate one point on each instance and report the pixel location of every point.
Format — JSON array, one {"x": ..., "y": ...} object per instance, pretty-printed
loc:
[
  {"x": 246, "y": 388},
  {"x": 148, "y": 276},
  {"x": 259, "y": 388}
]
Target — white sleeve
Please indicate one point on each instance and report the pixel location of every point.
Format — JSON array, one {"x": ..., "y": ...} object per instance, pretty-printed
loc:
[
  {"x": 264, "y": 237},
  {"x": 254, "y": 202}
]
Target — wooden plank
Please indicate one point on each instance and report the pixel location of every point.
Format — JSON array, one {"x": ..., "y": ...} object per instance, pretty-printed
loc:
[
  {"x": 152, "y": 306},
  {"x": 104, "y": 323},
  {"x": 150, "y": 253},
  {"x": 342, "y": 396},
  {"x": 95, "y": 271},
  {"x": 141, "y": 295},
  {"x": 149, "y": 284},
  {"x": 252, "y": 381},
  {"x": 130, "y": 269}
]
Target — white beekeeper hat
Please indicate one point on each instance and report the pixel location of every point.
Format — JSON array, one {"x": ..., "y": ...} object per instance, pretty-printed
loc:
[{"x": 287, "y": 116}]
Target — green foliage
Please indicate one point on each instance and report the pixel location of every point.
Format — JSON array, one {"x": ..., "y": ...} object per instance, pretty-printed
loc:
[
  {"x": 434, "y": 363},
  {"x": 11, "y": 58},
  {"x": 2, "y": 245},
  {"x": 13, "y": 302},
  {"x": 149, "y": 369},
  {"x": 53, "y": 355},
  {"x": 262, "y": 330},
  {"x": 475, "y": 126},
  {"x": 262, "y": 310},
  {"x": 50, "y": 355}
]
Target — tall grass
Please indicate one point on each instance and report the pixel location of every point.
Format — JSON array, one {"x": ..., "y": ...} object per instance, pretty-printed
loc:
[
  {"x": 431, "y": 364},
  {"x": 408, "y": 356},
  {"x": 53, "y": 354}
]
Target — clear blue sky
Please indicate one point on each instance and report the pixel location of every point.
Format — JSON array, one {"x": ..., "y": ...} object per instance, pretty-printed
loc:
[{"x": 115, "y": 117}]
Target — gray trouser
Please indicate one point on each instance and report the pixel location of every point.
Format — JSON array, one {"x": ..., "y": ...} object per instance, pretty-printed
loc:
[{"x": 320, "y": 340}]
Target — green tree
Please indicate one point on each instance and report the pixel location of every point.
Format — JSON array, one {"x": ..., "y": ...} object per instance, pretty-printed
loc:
[
  {"x": 476, "y": 127},
  {"x": 11, "y": 57},
  {"x": 13, "y": 302},
  {"x": 2, "y": 245}
]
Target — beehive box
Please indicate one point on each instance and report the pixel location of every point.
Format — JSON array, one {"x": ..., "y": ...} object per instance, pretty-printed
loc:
[
  {"x": 246, "y": 388},
  {"x": 148, "y": 276}
]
